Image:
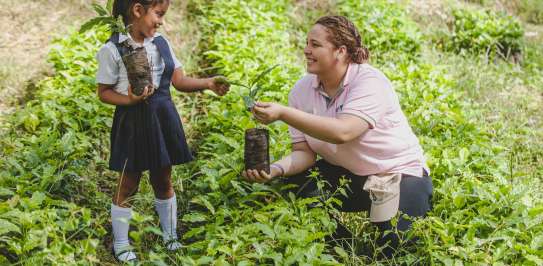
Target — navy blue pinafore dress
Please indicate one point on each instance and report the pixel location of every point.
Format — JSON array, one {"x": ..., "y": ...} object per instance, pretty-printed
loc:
[{"x": 149, "y": 135}]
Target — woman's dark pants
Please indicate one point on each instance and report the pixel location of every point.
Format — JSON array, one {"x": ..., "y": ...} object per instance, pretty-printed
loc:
[{"x": 415, "y": 199}]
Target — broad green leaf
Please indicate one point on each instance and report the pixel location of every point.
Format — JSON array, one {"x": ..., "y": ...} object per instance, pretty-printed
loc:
[
  {"x": 194, "y": 217},
  {"x": 266, "y": 229},
  {"x": 92, "y": 23},
  {"x": 7, "y": 227},
  {"x": 204, "y": 202}
]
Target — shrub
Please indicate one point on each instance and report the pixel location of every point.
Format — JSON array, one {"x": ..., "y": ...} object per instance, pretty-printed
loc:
[
  {"x": 484, "y": 32},
  {"x": 384, "y": 26}
]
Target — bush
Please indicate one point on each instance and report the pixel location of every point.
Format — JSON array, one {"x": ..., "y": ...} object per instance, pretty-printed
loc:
[
  {"x": 384, "y": 26},
  {"x": 484, "y": 32},
  {"x": 531, "y": 10},
  {"x": 51, "y": 148}
]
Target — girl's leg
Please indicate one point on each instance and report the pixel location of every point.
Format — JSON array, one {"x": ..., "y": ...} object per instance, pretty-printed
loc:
[
  {"x": 121, "y": 213},
  {"x": 161, "y": 181},
  {"x": 127, "y": 187},
  {"x": 166, "y": 205}
]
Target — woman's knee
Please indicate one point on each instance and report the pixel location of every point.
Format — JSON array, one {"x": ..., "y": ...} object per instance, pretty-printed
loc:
[{"x": 415, "y": 196}]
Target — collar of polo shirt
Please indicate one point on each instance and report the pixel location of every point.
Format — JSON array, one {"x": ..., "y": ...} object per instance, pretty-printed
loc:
[
  {"x": 123, "y": 37},
  {"x": 352, "y": 71}
]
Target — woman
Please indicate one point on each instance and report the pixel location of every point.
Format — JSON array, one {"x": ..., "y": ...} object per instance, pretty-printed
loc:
[{"x": 346, "y": 111}]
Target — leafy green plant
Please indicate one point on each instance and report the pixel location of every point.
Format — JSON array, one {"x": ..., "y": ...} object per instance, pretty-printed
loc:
[
  {"x": 105, "y": 17},
  {"x": 485, "y": 32},
  {"x": 531, "y": 10},
  {"x": 385, "y": 28},
  {"x": 135, "y": 59},
  {"x": 253, "y": 87}
]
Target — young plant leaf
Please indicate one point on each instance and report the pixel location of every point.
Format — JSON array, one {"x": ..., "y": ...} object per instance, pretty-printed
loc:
[
  {"x": 238, "y": 84},
  {"x": 249, "y": 102},
  {"x": 254, "y": 90},
  {"x": 261, "y": 75},
  {"x": 109, "y": 6},
  {"x": 92, "y": 23},
  {"x": 100, "y": 10},
  {"x": 104, "y": 17}
]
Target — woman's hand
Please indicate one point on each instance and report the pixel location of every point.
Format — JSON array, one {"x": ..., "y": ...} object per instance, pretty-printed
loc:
[
  {"x": 267, "y": 113},
  {"x": 147, "y": 92},
  {"x": 252, "y": 175},
  {"x": 219, "y": 85}
]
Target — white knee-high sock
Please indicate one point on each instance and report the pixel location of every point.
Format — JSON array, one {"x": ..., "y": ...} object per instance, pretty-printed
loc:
[
  {"x": 167, "y": 213},
  {"x": 120, "y": 221}
]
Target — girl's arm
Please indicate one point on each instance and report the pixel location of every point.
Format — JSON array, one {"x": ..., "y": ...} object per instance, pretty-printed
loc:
[
  {"x": 300, "y": 159},
  {"x": 107, "y": 94},
  {"x": 338, "y": 130},
  {"x": 187, "y": 84}
]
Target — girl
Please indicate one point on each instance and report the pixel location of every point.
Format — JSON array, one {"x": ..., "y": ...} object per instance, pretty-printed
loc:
[
  {"x": 147, "y": 133},
  {"x": 347, "y": 112}
]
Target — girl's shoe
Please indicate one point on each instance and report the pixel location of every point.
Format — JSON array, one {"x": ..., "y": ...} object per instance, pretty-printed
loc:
[
  {"x": 125, "y": 256},
  {"x": 173, "y": 245}
]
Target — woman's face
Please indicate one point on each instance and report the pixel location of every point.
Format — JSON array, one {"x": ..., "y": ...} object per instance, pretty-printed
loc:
[
  {"x": 321, "y": 54},
  {"x": 147, "y": 22}
]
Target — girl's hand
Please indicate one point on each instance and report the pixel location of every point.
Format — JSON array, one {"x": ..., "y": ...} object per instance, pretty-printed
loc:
[
  {"x": 147, "y": 91},
  {"x": 267, "y": 113},
  {"x": 219, "y": 85},
  {"x": 262, "y": 176}
]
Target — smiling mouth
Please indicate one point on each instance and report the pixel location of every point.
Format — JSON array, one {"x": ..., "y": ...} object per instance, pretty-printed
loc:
[{"x": 310, "y": 61}]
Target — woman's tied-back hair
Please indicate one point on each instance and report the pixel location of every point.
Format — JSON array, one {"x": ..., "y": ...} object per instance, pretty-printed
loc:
[
  {"x": 344, "y": 32},
  {"x": 122, "y": 7}
]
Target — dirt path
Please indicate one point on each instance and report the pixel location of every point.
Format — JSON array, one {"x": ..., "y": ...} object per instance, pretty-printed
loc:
[
  {"x": 33, "y": 24},
  {"x": 24, "y": 42}
]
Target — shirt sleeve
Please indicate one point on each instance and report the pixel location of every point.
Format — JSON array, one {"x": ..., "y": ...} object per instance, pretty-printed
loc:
[
  {"x": 176, "y": 62},
  {"x": 295, "y": 134},
  {"x": 108, "y": 69},
  {"x": 368, "y": 100}
]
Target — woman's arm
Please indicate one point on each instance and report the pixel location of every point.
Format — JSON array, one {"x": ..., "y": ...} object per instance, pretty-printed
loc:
[
  {"x": 107, "y": 94},
  {"x": 299, "y": 160},
  {"x": 187, "y": 84},
  {"x": 338, "y": 130}
]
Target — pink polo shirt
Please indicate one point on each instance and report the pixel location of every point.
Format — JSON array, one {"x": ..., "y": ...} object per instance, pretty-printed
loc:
[{"x": 389, "y": 146}]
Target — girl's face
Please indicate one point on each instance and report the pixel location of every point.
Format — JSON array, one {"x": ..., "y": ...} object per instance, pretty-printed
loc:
[
  {"x": 321, "y": 54},
  {"x": 146, "y": 22}
]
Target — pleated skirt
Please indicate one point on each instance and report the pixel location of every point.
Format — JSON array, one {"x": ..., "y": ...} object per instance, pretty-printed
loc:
[{"x": 147, "y": 136}]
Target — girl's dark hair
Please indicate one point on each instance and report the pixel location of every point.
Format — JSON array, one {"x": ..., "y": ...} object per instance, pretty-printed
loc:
[
  {"x": 122, "y": 7},
  {"x": 344, "y": 32}
]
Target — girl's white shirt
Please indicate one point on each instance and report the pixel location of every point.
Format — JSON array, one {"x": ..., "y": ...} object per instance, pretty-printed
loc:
[{"x": 111, "y": 70}]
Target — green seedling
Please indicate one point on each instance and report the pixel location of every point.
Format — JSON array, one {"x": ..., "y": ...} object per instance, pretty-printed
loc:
[
  {"x": 135, "y": 60},
  {"x": 253, "y": 87},
  {"x": 105, "y": 17}
]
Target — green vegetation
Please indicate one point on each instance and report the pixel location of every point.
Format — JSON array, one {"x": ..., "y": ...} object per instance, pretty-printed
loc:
[
  {"x": 485, "y": 32},
  {"x": 385, "y": 28},
  {"x": 45, "y": 176},
  {"x": 104, "y": 18},
  {"x": 479, "y": 122},
  {"x": 253, "y": 87},
  {"x": 531, "y": 10}
]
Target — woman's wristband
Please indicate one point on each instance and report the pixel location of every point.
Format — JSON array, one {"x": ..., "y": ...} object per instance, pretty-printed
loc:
[{"x": 280, "y": 168}]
